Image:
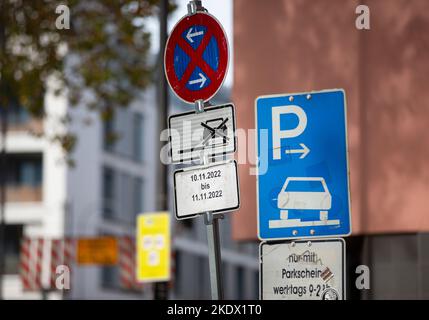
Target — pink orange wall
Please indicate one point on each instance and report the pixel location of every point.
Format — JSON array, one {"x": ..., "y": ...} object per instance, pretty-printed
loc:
[{"x": 285, "y": 46}]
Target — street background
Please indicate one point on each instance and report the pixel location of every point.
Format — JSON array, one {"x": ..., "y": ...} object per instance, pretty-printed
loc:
[{"x": 85, "y": 162}]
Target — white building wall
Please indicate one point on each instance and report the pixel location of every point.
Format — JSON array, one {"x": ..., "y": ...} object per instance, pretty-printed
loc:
[{"x": 45, "y": 218}]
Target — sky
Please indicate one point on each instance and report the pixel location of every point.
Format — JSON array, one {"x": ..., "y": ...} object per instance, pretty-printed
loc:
[{"x": 221, "y": 9}]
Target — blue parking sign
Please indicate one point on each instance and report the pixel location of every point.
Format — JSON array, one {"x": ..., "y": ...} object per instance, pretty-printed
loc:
[{"x": 303, "y": 175}]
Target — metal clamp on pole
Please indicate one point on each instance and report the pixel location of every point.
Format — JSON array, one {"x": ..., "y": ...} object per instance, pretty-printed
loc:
[
  {"x": 195, "y": 6},
  {"x": 199, "y": 106}
]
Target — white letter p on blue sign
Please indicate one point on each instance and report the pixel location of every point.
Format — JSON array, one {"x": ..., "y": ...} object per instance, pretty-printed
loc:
[{"x": 279, "y": 134}]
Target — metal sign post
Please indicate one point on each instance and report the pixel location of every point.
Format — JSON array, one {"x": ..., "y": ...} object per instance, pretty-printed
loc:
[
  {"x": 212, "y": 223},
  {"x": 213, "y": 240},
  {"x": 196, "y": 61}
]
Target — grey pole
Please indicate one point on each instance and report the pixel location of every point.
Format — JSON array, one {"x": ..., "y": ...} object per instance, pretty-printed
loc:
[
  {"x": 161, "y": 288},
  {"x": 213, "y": 240},
  {"x": 211, "y": 221},
  {"x": 3, "y": 170},
  {"x": 215, "y": 260}
]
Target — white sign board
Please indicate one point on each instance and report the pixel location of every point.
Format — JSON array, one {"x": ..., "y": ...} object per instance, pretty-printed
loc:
[
  {"x": 201, "y": 189},
  {"x": 208, "y": 133},
  {"x": 303, "y": 270}
]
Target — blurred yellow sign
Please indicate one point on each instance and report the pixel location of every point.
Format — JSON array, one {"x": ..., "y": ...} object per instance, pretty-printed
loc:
[
  {"x": 153, "y": 247},
  {"x": 98, "y": 251}
]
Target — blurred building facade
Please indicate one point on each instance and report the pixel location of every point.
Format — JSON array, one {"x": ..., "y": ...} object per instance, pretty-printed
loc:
[
  {"x": 305, "y": 45},
  {"x": 35, "y": 190},
  {"x": 100, "y": 192}
]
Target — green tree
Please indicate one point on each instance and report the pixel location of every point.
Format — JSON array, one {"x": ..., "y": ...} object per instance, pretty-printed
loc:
[{"x": 104, "y": 52}]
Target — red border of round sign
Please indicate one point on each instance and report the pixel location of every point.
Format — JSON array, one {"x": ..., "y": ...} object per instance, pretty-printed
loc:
[{"x": 200, "y": 18}]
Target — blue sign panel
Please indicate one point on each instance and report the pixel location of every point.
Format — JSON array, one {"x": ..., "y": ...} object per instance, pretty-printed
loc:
[{"x": 303, "y": 183}]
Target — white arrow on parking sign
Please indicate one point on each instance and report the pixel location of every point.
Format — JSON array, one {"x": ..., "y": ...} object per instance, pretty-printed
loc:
[
  {"x": 191, "y": 35},
  {"x": 305, "y": 150},
  {"x": 201, "y": 80}
]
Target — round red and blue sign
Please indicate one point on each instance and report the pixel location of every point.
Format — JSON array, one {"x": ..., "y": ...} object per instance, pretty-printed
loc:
[{"x": 196, "y": 57}]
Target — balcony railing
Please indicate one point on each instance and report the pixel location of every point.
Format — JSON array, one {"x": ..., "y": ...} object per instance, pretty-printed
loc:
[
  {"x": 33, "y": 125},
  {"x": 23, "y": 194}
]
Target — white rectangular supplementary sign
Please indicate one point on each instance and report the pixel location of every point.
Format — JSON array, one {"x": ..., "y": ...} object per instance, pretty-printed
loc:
[
  {"x": 208, "y": 133},
  {"x": 303, "y": 270},
  {"x": 206, "y": 188}
]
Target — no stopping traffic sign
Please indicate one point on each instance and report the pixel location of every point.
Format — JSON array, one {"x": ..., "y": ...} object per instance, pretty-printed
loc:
[{"x": 196, "y": 57}]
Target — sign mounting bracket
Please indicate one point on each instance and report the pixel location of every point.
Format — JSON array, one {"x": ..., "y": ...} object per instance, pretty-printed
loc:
[{"x": 195, "y": 6}]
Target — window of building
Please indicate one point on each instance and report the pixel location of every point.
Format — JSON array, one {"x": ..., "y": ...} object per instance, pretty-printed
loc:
[
  {"x": 225, "y": 281},
  {"x": 138, "y": 136},
  {"x": 108, "y": 193},
  {"x": 203, "y": 286},
  {"x": 240, "y": 283},
  {"x": 17, "y": 115},
  {"x": 177, "y": 276},
  {"x": 113, "y": 133},
  {"x": 138, "y": 196},
  {"x": 108, "y": 135},
  {"x": 131, "y": 198},
  {"x": 123, "y": 127},
  {"x": 12, "y": 240},
  {"x": 125, "y": 201},
  {"x": 31, "y": 173},
  {"x": 123, "y": 135},
  {"x": 24, "y": 178},
  {"x": 256, "y": 283},
  {"x": 24, "y": 170},
  {"x": 110, "y": 277},
  {"x": 123, "y": 196}
]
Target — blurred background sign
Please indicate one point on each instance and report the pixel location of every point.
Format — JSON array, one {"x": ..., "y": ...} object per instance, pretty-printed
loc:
[
  {"x": 100, "y": 251},
  {"x": 153, "y": 247}
]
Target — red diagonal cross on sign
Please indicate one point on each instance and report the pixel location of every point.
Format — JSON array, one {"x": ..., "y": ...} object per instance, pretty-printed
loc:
[
  {"x": 196, "y": 57},
  {"x": 212, "y": 30}
]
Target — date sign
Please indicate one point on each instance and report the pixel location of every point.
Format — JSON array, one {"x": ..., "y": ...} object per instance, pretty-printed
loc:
[{"x": 206, "y": 188}]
